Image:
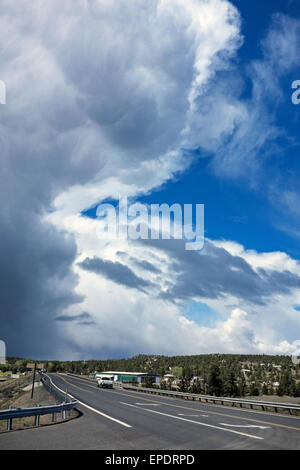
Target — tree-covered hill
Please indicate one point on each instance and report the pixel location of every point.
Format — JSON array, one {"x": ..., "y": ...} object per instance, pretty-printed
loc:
[{"x": 218, "y": 374}]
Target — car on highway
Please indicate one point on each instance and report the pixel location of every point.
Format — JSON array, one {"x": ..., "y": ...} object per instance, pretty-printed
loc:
[{"x": 105, "y": 382}]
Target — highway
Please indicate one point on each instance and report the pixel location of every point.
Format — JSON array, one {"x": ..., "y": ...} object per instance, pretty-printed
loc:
[{"x": 119, "y": 419}]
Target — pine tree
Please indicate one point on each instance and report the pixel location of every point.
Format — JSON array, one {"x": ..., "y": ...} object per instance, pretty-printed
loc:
[
  {"x": 230, "y": 386},
  {"x": 242, "y": 386},
  {"x": 254, "y": 389},
  {"x": 215, "y": 385}
]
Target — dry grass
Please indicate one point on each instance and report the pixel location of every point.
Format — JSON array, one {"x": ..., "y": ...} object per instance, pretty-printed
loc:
[{"x": 13, "y": 395}]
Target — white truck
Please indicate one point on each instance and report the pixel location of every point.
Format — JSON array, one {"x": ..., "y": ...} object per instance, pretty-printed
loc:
[{"x": 105, "y": 382}]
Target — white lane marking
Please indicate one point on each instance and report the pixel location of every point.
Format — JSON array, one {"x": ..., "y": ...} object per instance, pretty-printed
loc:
[
  {"x": 195, "y": 422},
  {"x": 245, "y": 426},
  {"x": 90, "y": 408},
  {"x": 143, "y": 404},
  {"x": 198, "y": 416},
  {"x": 105, "y": 415},
  {"x": 128, "y": 404}
]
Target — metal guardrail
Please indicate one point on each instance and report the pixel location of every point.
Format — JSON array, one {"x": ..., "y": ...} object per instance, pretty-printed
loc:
[
  {"x": 211, "y": 398},
  {"x": 66, "y": 406},
  {"x": 264, "y": 405},
  {"x": 54, "y": 390}
]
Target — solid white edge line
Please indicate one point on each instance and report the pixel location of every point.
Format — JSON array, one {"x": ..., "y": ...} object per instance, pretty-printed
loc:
[
  {"x": 195, "y": 422},
  {"x": 90, "y": 408}
]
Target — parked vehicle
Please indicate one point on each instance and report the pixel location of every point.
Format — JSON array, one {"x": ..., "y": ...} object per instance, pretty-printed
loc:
[{"x": 105, "y": 382}]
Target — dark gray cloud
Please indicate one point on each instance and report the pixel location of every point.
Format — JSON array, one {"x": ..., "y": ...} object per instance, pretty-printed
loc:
[
  {"x": 39, "y": 132},
  {"x": 116, "y": 272},
  {"x": 141, "y": 263},
  {"x": 85, "y": 316},
  {"x": 37, "y": 283},
  {"x": 214, "y": 272},
  {"x": 70, "y": 104},
  {"x": 146, "y": 265}
]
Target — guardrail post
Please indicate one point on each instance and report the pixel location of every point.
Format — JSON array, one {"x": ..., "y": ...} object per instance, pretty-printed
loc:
[
  {"x": 37, "y": 418},
  {"x": 64, "y": 414},
  {"x": 9, "y": 422}
]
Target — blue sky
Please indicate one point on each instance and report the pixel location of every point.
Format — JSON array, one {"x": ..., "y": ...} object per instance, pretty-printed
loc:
[
  {"x": 256, "y": 19},
  {"x": 233, "y": 209},
  {"x": 188, "y": 104},
  {"x": 199, "y": 312}
]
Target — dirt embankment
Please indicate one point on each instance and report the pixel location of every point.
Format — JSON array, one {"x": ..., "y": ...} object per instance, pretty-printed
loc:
[{"x": 12, "y": 394}]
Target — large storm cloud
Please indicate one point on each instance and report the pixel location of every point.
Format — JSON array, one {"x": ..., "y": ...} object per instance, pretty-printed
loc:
[
  {"x": 92, "y": 88},
  {"x": 104, "y": 99}
]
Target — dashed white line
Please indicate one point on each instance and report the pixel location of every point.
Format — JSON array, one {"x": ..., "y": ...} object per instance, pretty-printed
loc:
[
  {"x": 128, "y": 404},
  {"x": 245, "y": 426},
  {"x": 148, "y": 404},
  {"x": 194, "y": 422}
]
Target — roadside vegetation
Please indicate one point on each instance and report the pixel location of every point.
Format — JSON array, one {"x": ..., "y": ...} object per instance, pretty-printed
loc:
[{"x": 229, "y": 375}]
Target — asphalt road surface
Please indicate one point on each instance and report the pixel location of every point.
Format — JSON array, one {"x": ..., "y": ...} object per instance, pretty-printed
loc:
[{"x": 119, "y": 419}]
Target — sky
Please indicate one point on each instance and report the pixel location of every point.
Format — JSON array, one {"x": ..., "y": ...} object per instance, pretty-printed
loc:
[{"x": 162, "y": 102}]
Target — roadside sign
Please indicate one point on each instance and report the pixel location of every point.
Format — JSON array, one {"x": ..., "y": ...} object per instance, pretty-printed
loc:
[{"x": 31, "y": 365}]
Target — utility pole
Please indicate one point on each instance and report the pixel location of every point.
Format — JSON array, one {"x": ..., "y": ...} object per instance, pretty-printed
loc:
[{"x": 33, "y": 380}]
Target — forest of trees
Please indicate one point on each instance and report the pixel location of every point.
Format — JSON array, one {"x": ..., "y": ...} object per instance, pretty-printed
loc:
[{"x": 217, "y": 374}]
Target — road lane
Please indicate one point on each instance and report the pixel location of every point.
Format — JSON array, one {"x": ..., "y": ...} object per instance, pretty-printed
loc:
[
  {"x": 275, "y": 431},
  {"x": 284, "y": 421},
  {"x": 154, "y": 424},
  {"x": 193, "y": 421},
  {"x": 90, "y": 407}
]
